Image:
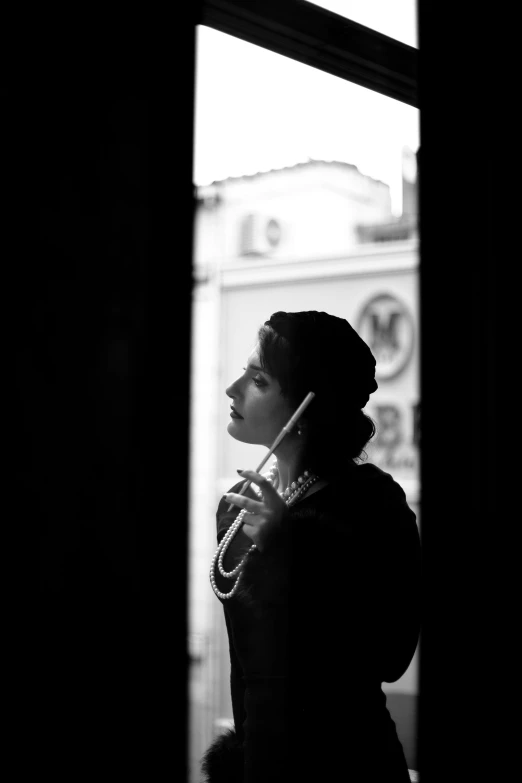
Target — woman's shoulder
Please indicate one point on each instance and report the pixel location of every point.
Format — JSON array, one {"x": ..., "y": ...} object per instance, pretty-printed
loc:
[
  {"x": 367, "y": 481},
  {"x": 368, "y": 473},
  {"x": 382, "y": 500},
  {"x": 364, "y": 493}
]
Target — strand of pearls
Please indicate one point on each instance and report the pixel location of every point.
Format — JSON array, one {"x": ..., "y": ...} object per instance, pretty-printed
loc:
[
  {"x": 271, "y": 476},
  {"x": 290, "y": 496}
]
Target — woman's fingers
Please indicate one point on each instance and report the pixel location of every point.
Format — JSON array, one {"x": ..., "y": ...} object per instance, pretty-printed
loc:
[
  {"x": 254, "y": 506},
  {"x": 263, "y": 527},
  {"x": 269, "y": 493}
]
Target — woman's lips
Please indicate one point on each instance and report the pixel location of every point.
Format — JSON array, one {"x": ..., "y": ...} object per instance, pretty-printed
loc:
[{"x": 234, "y": 414}]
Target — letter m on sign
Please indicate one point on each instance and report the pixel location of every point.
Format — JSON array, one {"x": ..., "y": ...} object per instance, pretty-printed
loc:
[{"x": 384, "y": 334}]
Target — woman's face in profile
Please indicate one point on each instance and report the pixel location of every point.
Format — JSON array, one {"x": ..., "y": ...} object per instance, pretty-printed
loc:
[{"x": 259, "y": 410}]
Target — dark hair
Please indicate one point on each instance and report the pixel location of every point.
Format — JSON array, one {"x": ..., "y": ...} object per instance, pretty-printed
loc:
[{"x": 337, "y": 430}]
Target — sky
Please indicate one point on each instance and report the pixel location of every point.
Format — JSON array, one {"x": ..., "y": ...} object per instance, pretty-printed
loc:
[{"x": 257, "y": 110}]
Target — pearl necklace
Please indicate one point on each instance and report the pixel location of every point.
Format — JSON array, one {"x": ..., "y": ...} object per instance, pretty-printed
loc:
[{"x": 290, "y": 495}]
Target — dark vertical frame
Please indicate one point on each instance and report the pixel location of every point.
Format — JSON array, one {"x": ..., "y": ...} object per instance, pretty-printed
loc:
[
  {"x": 98, "y": 164},
  {"x": 463, "y": 723}
]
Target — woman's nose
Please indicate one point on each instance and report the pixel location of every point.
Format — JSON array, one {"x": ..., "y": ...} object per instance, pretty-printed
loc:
[
  {"x": 232, "y": 391},
  {"x": 229, "y": 391}
]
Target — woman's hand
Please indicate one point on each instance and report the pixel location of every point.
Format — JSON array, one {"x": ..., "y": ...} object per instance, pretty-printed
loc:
[{"x": 265, "y": 517}]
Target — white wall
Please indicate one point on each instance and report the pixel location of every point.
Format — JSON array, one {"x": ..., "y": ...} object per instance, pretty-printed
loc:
[{"x": 318, "y": 206}]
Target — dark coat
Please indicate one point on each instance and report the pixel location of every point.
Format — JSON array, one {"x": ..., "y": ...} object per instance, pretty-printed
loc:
[{"x": 321, "y": 619}]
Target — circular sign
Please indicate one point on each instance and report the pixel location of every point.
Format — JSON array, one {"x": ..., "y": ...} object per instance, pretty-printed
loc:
[{"x": 386, "y": 326}]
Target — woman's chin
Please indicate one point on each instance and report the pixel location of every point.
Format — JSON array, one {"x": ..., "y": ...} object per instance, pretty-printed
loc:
[{"x": 233, "y": 429}]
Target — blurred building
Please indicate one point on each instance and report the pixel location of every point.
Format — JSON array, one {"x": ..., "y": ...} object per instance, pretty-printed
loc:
[{"x": 315, "y": 236}]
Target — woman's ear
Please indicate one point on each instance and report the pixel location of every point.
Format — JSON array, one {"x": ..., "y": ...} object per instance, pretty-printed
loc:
[{"x": 301, "y": 427}]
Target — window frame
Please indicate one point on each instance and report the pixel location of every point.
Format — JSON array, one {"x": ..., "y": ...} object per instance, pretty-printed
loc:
[{"x": 321, "y": 39}]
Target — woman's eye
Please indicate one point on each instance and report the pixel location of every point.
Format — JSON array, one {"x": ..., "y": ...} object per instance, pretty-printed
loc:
[{"x": 258, "y": 380}]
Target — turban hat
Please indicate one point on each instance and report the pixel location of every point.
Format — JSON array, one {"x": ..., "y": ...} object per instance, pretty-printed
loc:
[{"x": 331, "y": 359}]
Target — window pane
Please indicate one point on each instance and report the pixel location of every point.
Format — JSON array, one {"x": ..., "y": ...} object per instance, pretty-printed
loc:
[
  {"x": 394, "y": 18},
  {"x": 306, "y": 189},
  {"x": 257, "y": 110}
]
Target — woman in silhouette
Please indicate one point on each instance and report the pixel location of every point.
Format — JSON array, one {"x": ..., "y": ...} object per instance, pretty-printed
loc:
[{"x": 317, "y": 569}]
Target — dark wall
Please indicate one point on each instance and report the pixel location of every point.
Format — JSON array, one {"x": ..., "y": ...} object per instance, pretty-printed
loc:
[
  {"x": 87, "y": 343},
  {"x": 464, "y": 707},
  {"x": 99, "y": 167}
]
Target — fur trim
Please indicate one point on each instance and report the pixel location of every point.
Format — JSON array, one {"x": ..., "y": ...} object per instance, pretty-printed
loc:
[{"x": 224, "y": 760}]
